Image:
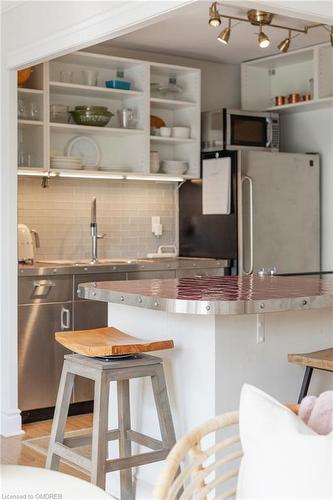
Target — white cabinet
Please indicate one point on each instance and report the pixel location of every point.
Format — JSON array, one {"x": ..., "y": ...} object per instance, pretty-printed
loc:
[
  {"x": 123, "y": 151},
  {"x": 305, "y": 71}
]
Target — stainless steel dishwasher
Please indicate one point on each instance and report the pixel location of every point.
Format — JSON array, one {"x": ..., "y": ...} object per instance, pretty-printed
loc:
[{"x": 45, "y": 306}]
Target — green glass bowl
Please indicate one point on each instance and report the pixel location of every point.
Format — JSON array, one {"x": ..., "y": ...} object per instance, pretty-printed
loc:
[{"x": 92, "y": 118}]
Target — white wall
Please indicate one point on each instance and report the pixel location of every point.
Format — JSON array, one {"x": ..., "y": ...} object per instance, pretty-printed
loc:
[
  {"x": 312, "y": 131},
  {"x": 220, "y": 83}
]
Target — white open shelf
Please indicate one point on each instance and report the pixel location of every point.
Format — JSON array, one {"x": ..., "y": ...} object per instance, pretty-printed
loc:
[
  {"x": 170, "y": 103},
  {"x": 91, "y": 91},
  {"x": 303, "y": 71},
  {"x": 35, "y": 123},
  {"x": 118, "y": 146},
  {"x": 84, "y": 129}
]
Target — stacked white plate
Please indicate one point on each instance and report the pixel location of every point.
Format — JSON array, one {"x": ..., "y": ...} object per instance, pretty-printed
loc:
[
  {"x": 174, "y": 167},
  {"x": 66, "y": 162}
]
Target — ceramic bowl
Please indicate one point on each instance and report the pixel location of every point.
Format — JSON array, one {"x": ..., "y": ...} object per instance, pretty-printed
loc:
[
  {"x": 181, "y": 132},
  {"x": 165, "y": 131}
]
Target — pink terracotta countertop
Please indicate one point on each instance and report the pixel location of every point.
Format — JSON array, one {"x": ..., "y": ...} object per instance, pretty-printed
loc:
[{"x": 217, "y": 295}]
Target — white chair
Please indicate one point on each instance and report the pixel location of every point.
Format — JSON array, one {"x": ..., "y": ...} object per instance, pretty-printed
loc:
[{"x": 203, "y": 470}]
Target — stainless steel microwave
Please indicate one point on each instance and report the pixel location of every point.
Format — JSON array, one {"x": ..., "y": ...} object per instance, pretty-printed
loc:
[{"x": 236, "y": 129}]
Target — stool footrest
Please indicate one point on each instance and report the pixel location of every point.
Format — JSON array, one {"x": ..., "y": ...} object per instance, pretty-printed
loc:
[
  {"x": 64, "y": 452},
  {"x": 82, "y": 440},
  {"x": 136, "y": 460},
  {"x": 144, "y": 440}
]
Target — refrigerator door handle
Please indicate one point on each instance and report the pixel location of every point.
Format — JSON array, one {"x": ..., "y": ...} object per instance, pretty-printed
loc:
[{"x": 248, "y": 179}]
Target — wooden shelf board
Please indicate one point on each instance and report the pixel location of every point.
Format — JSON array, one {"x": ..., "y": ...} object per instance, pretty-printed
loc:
[
  {"x": 171, "y": 140},
  {"x": 170, "y": 103},
  {"x": 87, "y": 90},
  {"x": 303, "y": 105},
  {"x": 64, "y": 127},
  {"x": 30, "y": 122}
]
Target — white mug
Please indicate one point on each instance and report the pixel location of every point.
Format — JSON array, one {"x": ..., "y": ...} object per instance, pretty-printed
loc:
[{"x": 165, "y": 131}]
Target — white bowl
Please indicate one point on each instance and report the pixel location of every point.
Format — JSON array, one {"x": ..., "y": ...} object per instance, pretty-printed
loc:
[
  {"x": 181, "y": 132},
  {"x": 174, "y": 167},
  {"x": 165, "y": 131}
]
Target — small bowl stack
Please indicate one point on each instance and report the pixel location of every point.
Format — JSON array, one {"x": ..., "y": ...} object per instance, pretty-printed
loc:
[
  {"x": 66, "y": 162},
  {"x": 174, "y": 167}
]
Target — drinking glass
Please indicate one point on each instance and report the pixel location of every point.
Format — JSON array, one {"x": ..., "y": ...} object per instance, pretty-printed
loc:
[
  {"x": 66, "y": 76},
  {"x": 34, "y": 111}
]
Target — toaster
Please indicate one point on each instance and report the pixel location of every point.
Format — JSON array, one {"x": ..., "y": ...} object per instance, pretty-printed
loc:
[{"x": 26, "y": 251}]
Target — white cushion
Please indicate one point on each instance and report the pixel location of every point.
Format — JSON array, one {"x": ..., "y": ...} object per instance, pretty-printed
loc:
[{"x": 283, "y": 458}]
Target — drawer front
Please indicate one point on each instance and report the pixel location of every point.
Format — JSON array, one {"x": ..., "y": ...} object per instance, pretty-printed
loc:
[
  {"x": 89, "y": 278},
  {"x": 149, "y": 275},
  {"x": 40, "y": 289},
  {"x": 192, "y": 273}
]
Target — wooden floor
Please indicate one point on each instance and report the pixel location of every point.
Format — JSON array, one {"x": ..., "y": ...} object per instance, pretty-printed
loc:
[{"x": 14, "y": 453}]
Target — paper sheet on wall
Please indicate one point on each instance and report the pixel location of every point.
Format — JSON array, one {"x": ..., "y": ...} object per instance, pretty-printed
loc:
[{"x": 216, "y": 186}]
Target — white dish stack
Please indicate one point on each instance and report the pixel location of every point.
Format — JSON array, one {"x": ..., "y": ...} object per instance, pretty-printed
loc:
[
  {"x": 66, "y": 162},
  {"x": 174, "y": 167}
]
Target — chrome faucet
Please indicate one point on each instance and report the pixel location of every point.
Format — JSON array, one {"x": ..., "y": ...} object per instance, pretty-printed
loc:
[{"x": 93, "y": 232}]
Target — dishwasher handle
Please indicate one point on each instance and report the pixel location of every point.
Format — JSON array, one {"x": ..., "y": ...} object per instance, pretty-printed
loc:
[{"x": 65, "y": 318}]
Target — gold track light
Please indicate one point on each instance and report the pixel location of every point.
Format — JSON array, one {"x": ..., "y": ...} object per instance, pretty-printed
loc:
[
  {"x": 214, "y": 16},
  {"x": 285, "y": 44},
  {"x": 225, "y": 34},
  {"x": 263, "y": 40}
]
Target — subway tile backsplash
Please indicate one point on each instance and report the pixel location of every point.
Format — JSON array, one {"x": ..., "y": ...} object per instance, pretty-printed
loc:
[{"x": 61, "y": 215}]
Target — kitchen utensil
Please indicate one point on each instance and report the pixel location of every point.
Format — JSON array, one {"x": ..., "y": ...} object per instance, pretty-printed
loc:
[
  {"x": 25, "y": 249},
  {"x": 165, "y": 131},
  {"x": 86, "y": 149},
  {"x": 279, "y": 100},
  {"x": 174, "y": 167},
  {"x": 154, "y": 162},
  {"x": 156, "y": 122},
  {"x": 89, "y": 77},
  {"x": 95, "y": 116},
  {"x": 23, "y": 76},
  {"x": 118, "y": 84},
  {"x": 293, "y": 98},
  {"x": 181, "y": 132},
  {"x": 127, "y": 118},
  {"x": 59, "y": 113},
  {"x": 67, "y": 76},
  {"x": 306, "y": 97}
]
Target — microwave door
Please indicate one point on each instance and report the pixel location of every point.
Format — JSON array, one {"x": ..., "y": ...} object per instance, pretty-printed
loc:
[{"x": 247, "y": 132}]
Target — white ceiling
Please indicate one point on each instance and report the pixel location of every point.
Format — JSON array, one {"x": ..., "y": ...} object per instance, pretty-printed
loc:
[{"x": 188, "y": 34}]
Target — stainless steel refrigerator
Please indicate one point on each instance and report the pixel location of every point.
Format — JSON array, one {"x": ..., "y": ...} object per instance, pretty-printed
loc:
[{"x": 274, "y": 219}]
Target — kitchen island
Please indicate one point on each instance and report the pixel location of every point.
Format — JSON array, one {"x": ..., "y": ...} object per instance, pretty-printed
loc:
[{"x": 227, "y": 331}]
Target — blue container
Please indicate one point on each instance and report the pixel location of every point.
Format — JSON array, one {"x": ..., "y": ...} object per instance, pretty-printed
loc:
[{"x": 118, "y": 84}]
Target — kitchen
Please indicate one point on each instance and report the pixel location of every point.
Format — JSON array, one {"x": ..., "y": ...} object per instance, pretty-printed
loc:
[{"x": 126, "y": 204}]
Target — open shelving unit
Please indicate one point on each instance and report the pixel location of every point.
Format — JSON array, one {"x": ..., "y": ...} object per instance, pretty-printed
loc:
[
  {"x": 304, "y": 71},
  {"x": 61, "y": 81}
]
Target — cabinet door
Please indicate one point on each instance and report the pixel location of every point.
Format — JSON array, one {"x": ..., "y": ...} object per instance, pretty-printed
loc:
[{"x": 40, "y": 356}]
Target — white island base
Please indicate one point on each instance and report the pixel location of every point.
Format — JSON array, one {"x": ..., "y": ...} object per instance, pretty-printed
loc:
[{"x": 213, "y": 357}]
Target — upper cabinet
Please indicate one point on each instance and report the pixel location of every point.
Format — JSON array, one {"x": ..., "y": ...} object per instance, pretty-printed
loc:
[
  {"x": 139, "y": 96},
  {"x": 306, "y": 72}
]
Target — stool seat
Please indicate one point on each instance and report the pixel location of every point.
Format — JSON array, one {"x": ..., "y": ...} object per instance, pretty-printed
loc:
[
  {"x": 108, "y": 341},
  {"x": 322, "y": 360}
]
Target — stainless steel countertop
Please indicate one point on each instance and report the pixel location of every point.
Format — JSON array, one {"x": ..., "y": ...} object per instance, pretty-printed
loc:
[
  {"x": 45, "y": 269},
  {"x": 217, "y": 295}
]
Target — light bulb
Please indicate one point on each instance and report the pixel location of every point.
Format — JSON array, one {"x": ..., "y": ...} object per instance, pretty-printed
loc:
[
  {"x": 263, "y": 39},
  {"x": 214, "y": 16}
]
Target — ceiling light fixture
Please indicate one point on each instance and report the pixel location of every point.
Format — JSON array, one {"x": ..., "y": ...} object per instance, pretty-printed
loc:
[
  {"x": 285, "y": 44},
  {"x": 263, "y": 40},
  {"x": 259, "y": 18},
  {"x": 214, "y": 16},
  {"x": 225, "y": 34}
]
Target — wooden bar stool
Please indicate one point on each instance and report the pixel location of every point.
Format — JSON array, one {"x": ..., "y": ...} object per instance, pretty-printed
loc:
[
  {"x": 110, "y": 342},
  {"x": 321, "y": 360}
]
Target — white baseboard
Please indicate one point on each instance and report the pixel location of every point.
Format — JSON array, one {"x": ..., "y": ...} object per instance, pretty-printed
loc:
[{"x": 11, "y": 423}]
